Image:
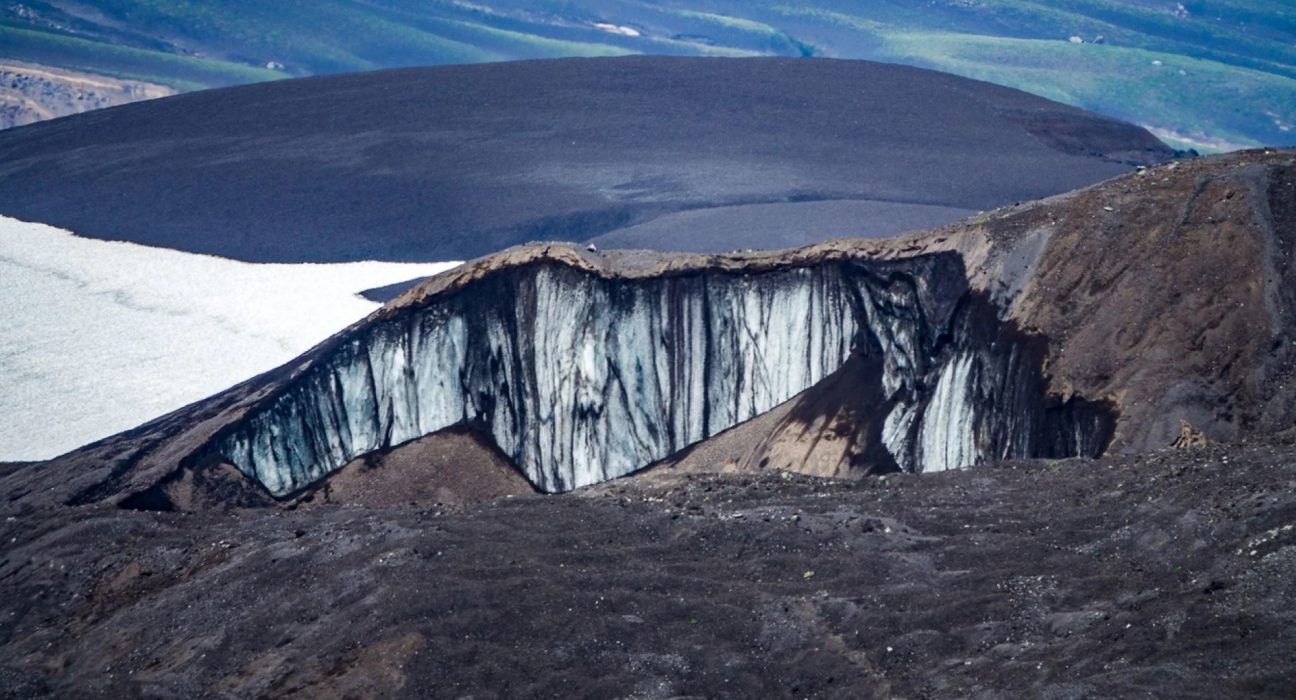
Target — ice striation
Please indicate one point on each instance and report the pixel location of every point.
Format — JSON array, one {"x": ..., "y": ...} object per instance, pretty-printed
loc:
[{"x": 581, "y": 378}]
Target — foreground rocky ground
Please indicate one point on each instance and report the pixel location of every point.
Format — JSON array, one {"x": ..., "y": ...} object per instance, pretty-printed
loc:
[{"x": 1172, "y": 575}]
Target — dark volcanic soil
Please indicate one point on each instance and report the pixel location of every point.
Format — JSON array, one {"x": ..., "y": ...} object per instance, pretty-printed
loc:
[
  {"x": 1172, "y": 575},
  {"x": 453, "y": 162}
]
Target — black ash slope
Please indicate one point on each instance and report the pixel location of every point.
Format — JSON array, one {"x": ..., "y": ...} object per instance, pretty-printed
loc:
[
  {"x": 1164, "y": 576},
  {"x": 453, "y": 162}
]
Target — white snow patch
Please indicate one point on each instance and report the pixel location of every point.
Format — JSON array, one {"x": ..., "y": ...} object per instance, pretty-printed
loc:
[
  {"x": 98, "y": 337},
  {"x": 617, "y": 29}
]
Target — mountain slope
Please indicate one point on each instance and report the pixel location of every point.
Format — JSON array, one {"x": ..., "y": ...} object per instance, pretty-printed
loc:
[
  {"x": 1214, "y": 75},
  {"x": 454, "y": 162},
  {"x": 29, "y": 94},
  {"x": 1164, "y": 299},
  {"x": 1168, "y": 292}
]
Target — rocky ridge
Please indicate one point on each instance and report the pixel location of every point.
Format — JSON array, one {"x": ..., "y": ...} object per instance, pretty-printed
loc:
[
  {"x": 31, "y": 93},
  {"x": 1075, "y": 285}
]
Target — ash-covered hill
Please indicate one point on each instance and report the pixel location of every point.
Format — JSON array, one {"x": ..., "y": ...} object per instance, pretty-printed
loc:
[{"x": 453, "y": 162}]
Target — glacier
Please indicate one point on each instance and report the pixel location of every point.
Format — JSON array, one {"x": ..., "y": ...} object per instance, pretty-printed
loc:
[
  {"x": 100, "y": 336},
  {"x": 582, "y": 377}
]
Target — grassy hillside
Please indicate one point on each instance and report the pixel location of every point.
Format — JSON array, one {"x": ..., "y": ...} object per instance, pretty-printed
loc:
[
  {"x": 1207, "y": 74},
  {"x": 1212, "y": 77},
  {"x": 1208, "y": 105}
]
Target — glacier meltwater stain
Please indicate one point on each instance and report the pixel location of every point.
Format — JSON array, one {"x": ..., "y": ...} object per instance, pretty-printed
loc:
[{"x": 580, "y": 378}]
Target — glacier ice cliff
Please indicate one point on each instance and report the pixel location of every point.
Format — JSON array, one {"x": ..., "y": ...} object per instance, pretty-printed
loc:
[{"x": 580, "y": 377}]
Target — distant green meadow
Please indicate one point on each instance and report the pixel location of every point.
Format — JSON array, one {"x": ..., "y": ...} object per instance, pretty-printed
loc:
[
  {"x": 1188, "y": 102},
  {"x": 180, "y": 72},
  {"x": 1208, "y": 75}
]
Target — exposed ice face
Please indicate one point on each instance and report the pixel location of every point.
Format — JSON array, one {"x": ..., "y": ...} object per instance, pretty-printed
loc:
[
  {"x": 580, "y": 379},
  {"x": 98, "y": 337},
  {"x": 946, "y": 434}
]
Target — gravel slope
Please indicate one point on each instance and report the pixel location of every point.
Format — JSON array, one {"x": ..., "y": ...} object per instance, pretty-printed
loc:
[{"x": 1169, "y": 575}]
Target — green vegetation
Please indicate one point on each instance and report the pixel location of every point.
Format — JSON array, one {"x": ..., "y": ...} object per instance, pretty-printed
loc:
[
  {"x": 1133, "y": 84},
  {"x": 1209, "y": 74},
  {"x": 180, "y": 72}
]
